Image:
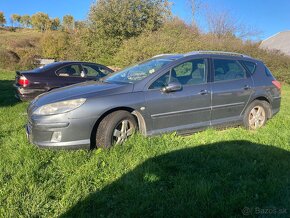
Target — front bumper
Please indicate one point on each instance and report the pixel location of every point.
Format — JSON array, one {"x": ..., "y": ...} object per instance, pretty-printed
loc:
[{"x": 75, "y": 133}]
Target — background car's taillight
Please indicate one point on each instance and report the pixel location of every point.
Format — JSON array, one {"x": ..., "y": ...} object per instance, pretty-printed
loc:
[
  {"x": 277, "y": 84},
  {"x": 23, "y": 81}
]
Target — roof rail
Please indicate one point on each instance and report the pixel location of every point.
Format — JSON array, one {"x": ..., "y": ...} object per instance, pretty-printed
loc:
[
  {"x": 217, "y": 52},
  {"x": 160, "y": 55}
]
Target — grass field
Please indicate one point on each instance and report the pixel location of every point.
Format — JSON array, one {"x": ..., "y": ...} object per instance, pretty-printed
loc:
[{"x": 214, "y": 173}]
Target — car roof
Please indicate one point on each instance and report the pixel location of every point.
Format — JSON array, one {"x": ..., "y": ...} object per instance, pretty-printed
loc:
[
  {"x": 204, "y": 53},
  {"x": 168, "y": 56},
  {"x": 221, "y": 53},
  {"x": 76, "y": 62}
]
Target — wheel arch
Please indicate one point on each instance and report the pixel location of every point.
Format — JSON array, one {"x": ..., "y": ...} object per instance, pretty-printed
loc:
[
  {"x": 137, "y": 115},
  {"x": 262, "y": 98}
]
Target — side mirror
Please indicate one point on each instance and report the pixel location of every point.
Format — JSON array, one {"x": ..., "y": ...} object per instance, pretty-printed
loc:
[{"x": 172, "y": 87}]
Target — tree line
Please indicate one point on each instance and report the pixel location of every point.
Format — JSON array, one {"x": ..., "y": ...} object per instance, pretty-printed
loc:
[{"x": 40, "y": 21}]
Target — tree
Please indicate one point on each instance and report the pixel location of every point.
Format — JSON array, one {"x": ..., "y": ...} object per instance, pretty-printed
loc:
[
  {"x": 224, "y": 24},
  {"x": 25, "y": 21},
  {"x": 41, "y": 21},
  {"x": 68, "y": 23},
  {"x": 55, "y": 23},
  {"x": 113, "y": 21},
  {"x": 80, "y": 24},
  {"x": 128, "y": 18},
  {"x": 2, "y": 19},
  {"x": 195, "y": 6},
  {"x": 15, "y": 19}
]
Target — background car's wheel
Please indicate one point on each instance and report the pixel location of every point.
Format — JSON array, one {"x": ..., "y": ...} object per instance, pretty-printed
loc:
[
  {"x": 115, "y": 128},
  {"x": 256, "y": 114}
]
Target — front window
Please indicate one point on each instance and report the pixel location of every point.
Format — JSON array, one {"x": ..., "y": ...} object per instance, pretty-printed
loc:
[
  {"x": 69, "y": 71},
  {"x": 138, "y": 72},
  {"x": 192, "y": 72}
]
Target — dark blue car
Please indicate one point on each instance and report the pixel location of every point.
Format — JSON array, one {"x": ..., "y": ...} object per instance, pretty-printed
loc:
[{"x": 29, "y": 84}]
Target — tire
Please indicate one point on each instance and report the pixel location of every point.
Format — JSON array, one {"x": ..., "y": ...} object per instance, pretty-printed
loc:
[
  {"x": 256, "y": 114},
  {"x": 115, "y": 128}
]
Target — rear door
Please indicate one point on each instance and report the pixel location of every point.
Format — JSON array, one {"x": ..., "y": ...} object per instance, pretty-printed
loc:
[
  {"x": 184, "y": 109},
  {"x": 231, "y": 90}
]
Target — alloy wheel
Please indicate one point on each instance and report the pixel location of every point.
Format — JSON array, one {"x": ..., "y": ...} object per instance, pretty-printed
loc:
[
  {"x": 257, "y": 117},
  {"x": 122, "y": 131}
]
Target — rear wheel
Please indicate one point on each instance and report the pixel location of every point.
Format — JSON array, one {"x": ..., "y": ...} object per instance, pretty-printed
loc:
[
  {"x": 115, "y": 128},
  {"x": 256, "y": 114}
]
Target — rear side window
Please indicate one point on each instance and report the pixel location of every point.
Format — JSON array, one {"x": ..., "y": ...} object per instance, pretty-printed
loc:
[
  {"x": 91, "y": 70},
  {"x": 251, "y": 67},
  {"x": 228, "y": 70}
]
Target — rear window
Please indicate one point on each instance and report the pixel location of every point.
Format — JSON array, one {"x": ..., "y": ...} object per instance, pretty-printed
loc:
[
  {"x": 268, "y": 72},
  {"x": 46, "y": 67},
  {"x": 251, "y": 67}
]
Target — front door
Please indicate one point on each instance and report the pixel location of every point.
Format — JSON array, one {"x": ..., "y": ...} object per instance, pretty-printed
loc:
[
  {"x": 70, "y": 74},
  {"x": 184, "y": 109}
]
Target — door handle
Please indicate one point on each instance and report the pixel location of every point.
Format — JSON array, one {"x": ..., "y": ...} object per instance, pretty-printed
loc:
[
  {"x": 247, "y": 87},
  {"x": 203, "y": 92}
]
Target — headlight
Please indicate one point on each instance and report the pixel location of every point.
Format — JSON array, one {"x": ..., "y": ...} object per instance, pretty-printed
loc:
[{"x": 59, "y": 107}]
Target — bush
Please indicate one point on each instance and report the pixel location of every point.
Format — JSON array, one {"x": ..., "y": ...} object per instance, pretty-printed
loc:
[
  {"x": 28, "y": 58},
  {"x": 173, "y": 37},
  {"x": 177, "y": 37},
  {"x": 21, "y": 43},
  {"x": 8, "y": 59},
  {"x": 54, "y": 45}
]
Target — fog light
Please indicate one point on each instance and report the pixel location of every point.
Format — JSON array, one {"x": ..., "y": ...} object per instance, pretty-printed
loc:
[{"x": 56, "y": 137}]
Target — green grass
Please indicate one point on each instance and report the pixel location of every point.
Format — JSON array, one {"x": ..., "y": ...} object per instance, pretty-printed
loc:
[{"x": 214, "y": 173}]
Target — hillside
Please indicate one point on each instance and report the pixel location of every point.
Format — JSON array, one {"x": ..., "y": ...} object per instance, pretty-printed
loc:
[{"x": 18, "y": 49}]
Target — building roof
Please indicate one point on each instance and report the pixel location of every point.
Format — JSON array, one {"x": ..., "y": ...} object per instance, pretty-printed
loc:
[{"x": 279, "y": 41}]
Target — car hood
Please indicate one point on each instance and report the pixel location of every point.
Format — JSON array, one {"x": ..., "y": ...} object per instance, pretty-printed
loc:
[{"x": 82, "y": 90}]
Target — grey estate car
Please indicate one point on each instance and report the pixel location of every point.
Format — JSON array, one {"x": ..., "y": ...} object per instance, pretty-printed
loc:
[{"x": 172, "y": 92}]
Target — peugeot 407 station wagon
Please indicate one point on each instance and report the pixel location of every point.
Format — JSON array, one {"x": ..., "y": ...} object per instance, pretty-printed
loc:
[{"x": 172, "y": 92}]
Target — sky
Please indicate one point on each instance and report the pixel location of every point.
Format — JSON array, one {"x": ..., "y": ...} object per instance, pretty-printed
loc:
[{"x": 267, "y": 16}]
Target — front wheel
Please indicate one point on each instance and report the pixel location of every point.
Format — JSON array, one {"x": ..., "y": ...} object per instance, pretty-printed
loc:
[
  {"x": 256, "y": 114},
  {"x": 115, "y": 128}
]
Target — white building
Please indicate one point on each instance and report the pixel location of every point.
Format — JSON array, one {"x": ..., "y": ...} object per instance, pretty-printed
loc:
[{"x": 279, "y": 41}]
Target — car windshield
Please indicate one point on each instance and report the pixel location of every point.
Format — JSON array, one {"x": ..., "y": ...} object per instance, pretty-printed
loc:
[{"x": 138, "y": 72}]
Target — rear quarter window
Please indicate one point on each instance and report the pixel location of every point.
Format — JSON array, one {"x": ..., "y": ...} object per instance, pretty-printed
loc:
[
  {"x": 268, "y": 72},
  {"x": 250, "y": 66}
]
